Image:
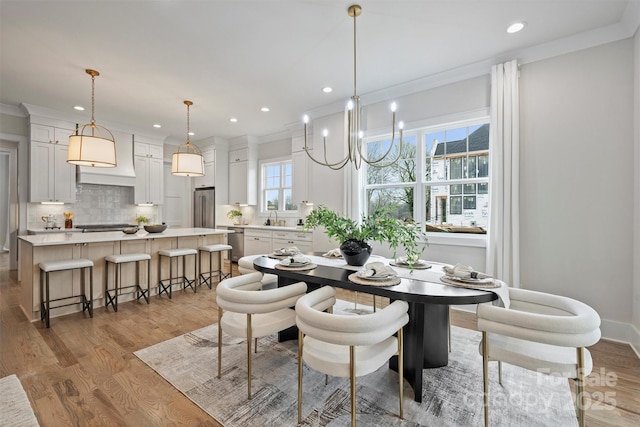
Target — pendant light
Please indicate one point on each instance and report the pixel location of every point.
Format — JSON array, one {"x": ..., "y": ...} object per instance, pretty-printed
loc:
[
  {"x": 188, "y": 160},
  {"x": 92, "y": 145}
]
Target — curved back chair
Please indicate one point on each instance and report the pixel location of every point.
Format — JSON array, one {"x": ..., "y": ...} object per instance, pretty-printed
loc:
[
  {"x": 244, "y": 310},
  {"x": 345, "y": 345},
  {"x": 541, "y": 332},
  {"x": 245, "y": 266}
]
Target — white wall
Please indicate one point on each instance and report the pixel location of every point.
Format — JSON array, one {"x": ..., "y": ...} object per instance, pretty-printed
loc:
[
  {"x": 636, "y": 194},
  {"x": 576, "y": 178}
]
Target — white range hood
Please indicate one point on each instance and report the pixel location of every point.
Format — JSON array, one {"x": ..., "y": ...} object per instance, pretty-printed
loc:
[{"x": 123, "y": 174}]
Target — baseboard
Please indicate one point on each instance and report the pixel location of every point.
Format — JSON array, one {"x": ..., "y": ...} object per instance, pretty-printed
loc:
[{"x": 611, "y": 330}]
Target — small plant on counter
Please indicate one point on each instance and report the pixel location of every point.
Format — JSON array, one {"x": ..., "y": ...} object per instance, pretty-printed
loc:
[
  {"x": 234, "y": 215},
  {"x": 141, "y": 219}
]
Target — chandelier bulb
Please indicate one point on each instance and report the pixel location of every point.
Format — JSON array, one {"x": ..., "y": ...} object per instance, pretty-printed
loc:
[
  {"x": 401, "y": 125},
  {"x": 393, "y": 107},
  {"x": 350, "y": 105},
  {"x": 305, "y": 119},
  {"x": 360, "y": 134},
  {"x": 325, "y": 133}
]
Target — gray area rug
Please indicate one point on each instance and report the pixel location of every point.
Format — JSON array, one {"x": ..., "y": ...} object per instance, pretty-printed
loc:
[
  {"x": 452, "y": 395},
  {"x": 15, "y": 409}
]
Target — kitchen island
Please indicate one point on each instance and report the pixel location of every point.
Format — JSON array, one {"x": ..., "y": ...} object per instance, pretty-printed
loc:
[{"x": 34, "y": 249}]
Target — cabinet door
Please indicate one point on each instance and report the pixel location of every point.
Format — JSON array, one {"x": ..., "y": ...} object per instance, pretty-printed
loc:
[
  {"x": 254, "y": 245},
  {"x": 142, "y": 172},
  {"x": 241, "y": 155},
  {"x": 155, "y": 182},
  {"x": 41, "y": 166},
  {"x": 61, "y": 136},
  {"x": 238, "y": 183},
  {"x": 65, "y": 176}
]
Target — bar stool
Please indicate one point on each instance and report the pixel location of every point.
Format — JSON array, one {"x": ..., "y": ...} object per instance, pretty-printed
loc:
[
  {"x": 171, "y": 254},
  {"x": 64, "y": 265},
  {"x": 219, "y": 248},
  {"x": 117, "y": 261}
]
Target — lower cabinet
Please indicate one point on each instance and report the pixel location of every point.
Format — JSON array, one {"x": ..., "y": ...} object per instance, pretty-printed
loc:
[{"x": 263, "y": 241}]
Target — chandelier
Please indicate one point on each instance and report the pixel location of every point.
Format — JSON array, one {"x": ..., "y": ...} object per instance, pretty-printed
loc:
[
  {"x": 353, "y": 131},
  {"x": 92, "y": 145},
  {"x": 188, "y": 160}
]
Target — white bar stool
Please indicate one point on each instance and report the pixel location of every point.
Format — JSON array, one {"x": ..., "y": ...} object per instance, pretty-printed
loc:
[
  {"x": 64, "y": 265},
  {"x": 117, "y": 261},
  {"x": 207, "y": 277},
  {"x": 171, "y": 254}
]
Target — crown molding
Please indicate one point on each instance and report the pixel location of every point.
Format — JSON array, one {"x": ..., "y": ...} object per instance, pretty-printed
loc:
[{"x": 12, "y": 110}]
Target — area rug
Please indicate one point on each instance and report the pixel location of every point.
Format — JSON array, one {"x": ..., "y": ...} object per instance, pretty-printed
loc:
[
  {"x": 15, "y": 409},
  {"x": 452, "y": 395}
]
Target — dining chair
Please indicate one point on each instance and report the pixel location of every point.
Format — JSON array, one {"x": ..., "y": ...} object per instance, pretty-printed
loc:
[
  {"x": 247, "y": 311},
  {"x": 245, "y": 266},
  {"x": 541, "y": 332},
  {"x": 347, "y": 346}
]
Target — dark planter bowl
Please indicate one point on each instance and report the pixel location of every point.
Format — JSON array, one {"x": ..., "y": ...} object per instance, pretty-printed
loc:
[
  {"x": 355, "y": 252},
  {"x": 156, "y": 228}
]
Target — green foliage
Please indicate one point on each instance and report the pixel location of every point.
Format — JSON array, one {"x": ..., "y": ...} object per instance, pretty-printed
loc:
[
  {"x": 379, "y": 226},
  {"x": 142, "y": 219},
  {"x": 234, "y": 213}
]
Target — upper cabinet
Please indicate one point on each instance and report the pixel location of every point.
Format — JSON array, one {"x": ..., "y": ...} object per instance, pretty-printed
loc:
[
  {"x": 52, "y": 179},
  {"x": 302, "y": 165},
  {"x": 148, "y": 159},
  {"x": 209, "y": 178},
  {"x": 243, "y": 175}
]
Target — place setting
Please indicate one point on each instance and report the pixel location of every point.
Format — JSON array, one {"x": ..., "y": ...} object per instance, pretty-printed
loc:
[
  {"x": 284, "y": 253},
  {"x": 296, "y": 262},
  {"x": 403, "y": 262},
  {"x": 375, "y": 274},
  {"x": 465, "y": 276}
]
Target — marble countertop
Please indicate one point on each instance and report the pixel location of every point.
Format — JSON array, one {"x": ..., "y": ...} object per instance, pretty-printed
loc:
[
  {"x": 52, "y": 239},
  {"x": 268, "y": 227}
]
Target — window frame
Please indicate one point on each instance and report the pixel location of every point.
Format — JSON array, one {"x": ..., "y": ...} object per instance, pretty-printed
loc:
[{"x": 262, "y": 167}]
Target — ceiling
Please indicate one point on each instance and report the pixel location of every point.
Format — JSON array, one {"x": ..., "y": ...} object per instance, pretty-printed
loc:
[{"x": 233, "y": 57}]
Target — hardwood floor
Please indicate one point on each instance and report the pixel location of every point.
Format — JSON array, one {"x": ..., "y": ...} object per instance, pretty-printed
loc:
[{"x": 83, "y": 372}]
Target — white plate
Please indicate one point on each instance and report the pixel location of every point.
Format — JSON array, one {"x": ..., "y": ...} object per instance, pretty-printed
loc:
[
  {"x": 280, "y": 253},
  {"x": 360, "y": 275},
  {"x": 469, "y": 279}
]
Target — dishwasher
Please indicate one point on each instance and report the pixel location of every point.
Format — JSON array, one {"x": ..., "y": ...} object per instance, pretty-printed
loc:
[{"x": 236, "y": 240}]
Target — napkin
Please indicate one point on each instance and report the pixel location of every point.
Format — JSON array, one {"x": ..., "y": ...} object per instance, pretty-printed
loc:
[
  {"x": 296, "y": 259},
  {"x": 333, "y": 253},
  {"x": 405, "y": 261},
  {"x": 377, "y": 269},
  {"x": 288, "y": 250},
  {"x": 464, "y": 272}
]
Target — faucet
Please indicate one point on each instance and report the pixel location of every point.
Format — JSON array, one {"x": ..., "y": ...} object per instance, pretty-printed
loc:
[{"x": 275, "y": 212}]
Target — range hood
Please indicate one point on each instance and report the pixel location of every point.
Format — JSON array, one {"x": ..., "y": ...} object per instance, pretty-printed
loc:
[{"x": 123, "y": 174}]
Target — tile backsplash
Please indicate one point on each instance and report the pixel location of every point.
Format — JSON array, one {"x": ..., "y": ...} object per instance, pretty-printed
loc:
[{"x": 95, "y": 204}]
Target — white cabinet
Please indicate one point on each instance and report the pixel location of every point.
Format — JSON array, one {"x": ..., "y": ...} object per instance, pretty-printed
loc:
[
  {"x": 209, "y": 178},
  {"x": 148, "y": 160},
  {"x": 302, "y": 166},
  {"x": 243, "y": 176},
  {"x": 300, "y": 239},
  {"x": 257, "y": 242},
  {"x": 52, "y": 179}
]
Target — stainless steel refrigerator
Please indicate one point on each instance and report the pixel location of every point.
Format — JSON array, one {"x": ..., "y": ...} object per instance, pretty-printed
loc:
[{"x": 204, "y": 207}]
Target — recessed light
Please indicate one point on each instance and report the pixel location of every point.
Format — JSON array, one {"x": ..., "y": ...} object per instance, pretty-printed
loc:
[
  {"x": 516, "y": 26},
  {"x": 264, "y": 109},
  {"x": 191, "y": 133},
  {"x": 157, "y": 126},
  {"x": 233, "y": 120},
  {"x": 327, "y": 89},
  {"x": 78, "y": 107}
]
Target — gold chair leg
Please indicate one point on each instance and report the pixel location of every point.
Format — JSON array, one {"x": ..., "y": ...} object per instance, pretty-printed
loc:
[
  {"x": 401, "y": 370},
  {"x": 219, "y": 341},
  {"x": 255, "y": 345},
  {"x": 300, "y": 344},
  {"x": 352, "y": 380},
  {"x": 580, "y": 386},
  {"x": 374, "y": 303},
  {"x": 485, "y": 376},
  {"x": 249, "y": 356}
]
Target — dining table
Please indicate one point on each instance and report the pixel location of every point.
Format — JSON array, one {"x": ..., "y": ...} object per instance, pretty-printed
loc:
[{"x": 426, "y": 335}]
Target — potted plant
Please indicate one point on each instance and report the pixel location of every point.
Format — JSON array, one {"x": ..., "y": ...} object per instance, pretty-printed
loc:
[
  {"x": 141, "y": 220},
  {"x": 235, "y": 216},
  {"x": 378, "y": 226}
]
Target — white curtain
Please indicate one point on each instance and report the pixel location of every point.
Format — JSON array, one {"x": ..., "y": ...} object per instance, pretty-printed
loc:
[{"x": 503, "y": 246}]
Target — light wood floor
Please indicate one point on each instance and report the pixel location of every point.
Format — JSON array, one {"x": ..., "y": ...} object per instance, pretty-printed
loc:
[{"x": 83, "y": 372}]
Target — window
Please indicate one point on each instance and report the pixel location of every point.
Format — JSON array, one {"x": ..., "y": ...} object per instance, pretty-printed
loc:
[
  {"x": 276, "y": 186},
  {"x": 441, "y": 178}
]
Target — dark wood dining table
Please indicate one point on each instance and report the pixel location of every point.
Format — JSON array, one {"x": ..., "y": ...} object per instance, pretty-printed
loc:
[{"x": 426, "y": 336}]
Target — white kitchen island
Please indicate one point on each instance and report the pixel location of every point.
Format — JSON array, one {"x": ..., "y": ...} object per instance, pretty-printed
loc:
[{"x": 34, "y": 249}]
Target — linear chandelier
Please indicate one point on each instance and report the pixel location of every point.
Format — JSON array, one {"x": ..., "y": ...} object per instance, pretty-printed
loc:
[
  {"x": 187, "y": 160},
  {"x": 353, "y": 130},
  {"x": 96, "y": 148}
]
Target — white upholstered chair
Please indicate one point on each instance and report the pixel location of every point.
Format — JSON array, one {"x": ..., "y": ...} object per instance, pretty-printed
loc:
[
  {"x": 245, "y": 266},
  {"x": 244, "y": 310},
  {"x": 346, "y": 345},
  {"x": 541, "y": 332}
]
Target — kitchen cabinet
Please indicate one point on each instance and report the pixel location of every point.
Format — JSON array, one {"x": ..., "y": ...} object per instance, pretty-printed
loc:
[
  {"x": 209, "y": 178},
  {"x": 243, "y": 176},
  {"x": 301, "y": 166},
  {"x": 257, "y": 242},
  {"x": 52, "y": 179},
  {"x": 148, "y": 159}
]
